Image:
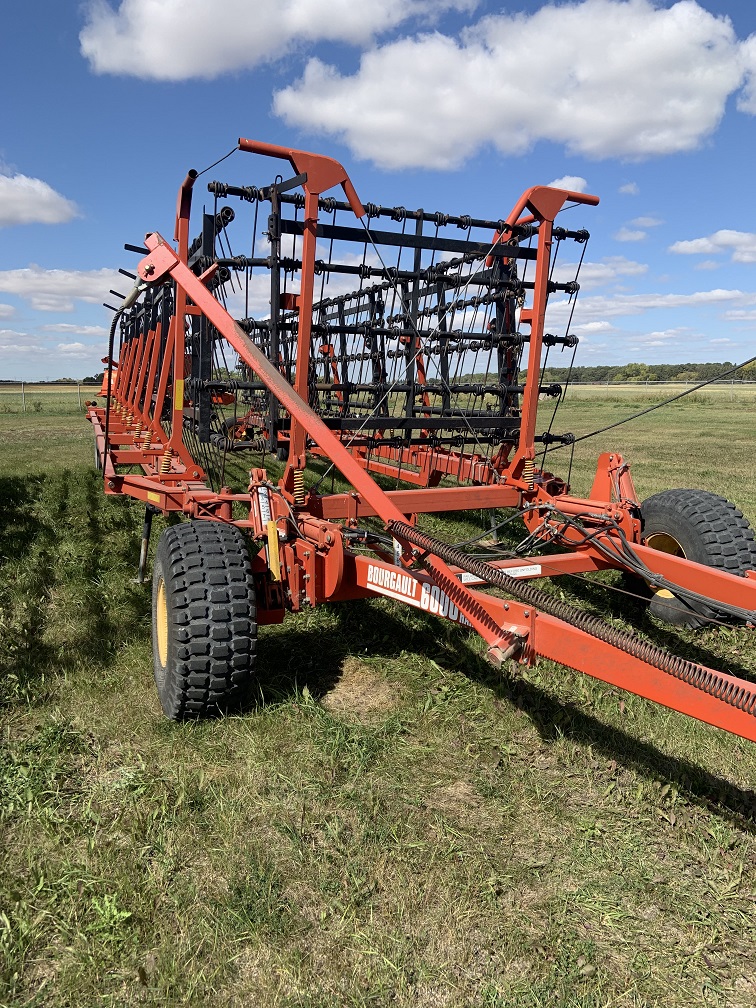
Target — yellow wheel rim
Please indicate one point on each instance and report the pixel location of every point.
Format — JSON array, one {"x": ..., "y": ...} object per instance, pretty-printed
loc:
[
  {"x": 161, "y": 623},
  {"x": 665, "y": 543}
]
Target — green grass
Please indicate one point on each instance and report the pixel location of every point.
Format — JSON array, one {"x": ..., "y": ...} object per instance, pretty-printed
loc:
[
  {"x": 393, "y": 823},
  {"x": 49, "y": 400}
]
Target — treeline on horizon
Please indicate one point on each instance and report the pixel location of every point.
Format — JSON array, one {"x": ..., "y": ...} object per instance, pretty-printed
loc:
[
  {"x": 594, "y": 373},
  {"x": 621, "y": 373}
]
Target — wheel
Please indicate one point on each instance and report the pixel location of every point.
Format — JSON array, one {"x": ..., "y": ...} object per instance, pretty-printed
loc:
[
  {"x": 204, "y": 619},
  {"x": 699, "y": 526}
]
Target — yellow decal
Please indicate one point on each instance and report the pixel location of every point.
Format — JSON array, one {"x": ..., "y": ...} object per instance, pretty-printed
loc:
[
  {"x": 178, "y": 399},
  {"x": 155, "y": 498},
  {"x": 274, "y": 560}
]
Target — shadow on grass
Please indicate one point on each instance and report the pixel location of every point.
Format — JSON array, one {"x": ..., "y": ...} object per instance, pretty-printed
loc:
[
  {"x": 295, "y": 656},
  {"x": 315, "y": 658},
  {"x": 18, "y": 525},
  {"x": 65, "y": 599}
]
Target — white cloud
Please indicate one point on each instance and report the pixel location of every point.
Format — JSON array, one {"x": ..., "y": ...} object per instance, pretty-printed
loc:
[
  {"x": 629, "y": 235},
  {"x": 629, "y": 189},
  {"x": 428, "y": 100},
  {"x": 663, "y": 337},
  {"x": 575, "y": 183},
  {"x": 56, "y": 290},
  {"x": 13, "y": 342},
  {"x": 646, "y": 222},
  {"x": 73, "y": 329},
  {"x": 180, "y": 39},
  {"x": 590, "y": 328},
  {"x": 740, "y": 244},
  {"x": 6, "y": 311},
  {"x": 707, "y": 264},
  {"x": 594, "y": 274},
  {"x": 747, "y": 98},
  {"x": 77, "y": 350},
  {"x": 26, "y": 200},
  {"x": 740, "y": 315},
  {"x": 598, "y": 308}
]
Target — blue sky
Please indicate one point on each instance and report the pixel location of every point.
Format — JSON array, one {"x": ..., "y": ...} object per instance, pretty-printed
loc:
[{"x": 450, "y": 105}]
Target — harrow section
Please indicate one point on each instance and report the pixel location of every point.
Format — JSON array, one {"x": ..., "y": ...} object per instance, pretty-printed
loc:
[{"x": 383, "y": 348}]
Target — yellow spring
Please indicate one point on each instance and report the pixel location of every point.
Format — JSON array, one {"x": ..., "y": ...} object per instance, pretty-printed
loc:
[
  {"x": 165, "y": 462},
  {"x": 137, "y": 432},
  {"x": 299, "y": 488},
  {"x": 146, "y": 440},
  {"x": 528, "y": 473}
]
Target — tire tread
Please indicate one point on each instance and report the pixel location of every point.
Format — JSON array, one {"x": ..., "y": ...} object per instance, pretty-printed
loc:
[
  {"x": 212, "y": 619},
  {"x": 726, "y": 536}
]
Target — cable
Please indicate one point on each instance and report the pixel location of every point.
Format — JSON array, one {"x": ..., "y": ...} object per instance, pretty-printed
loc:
[
  {"x": 704, "y": 679},
  {"x": 664, "y": 402},
  {"x": 232, "y": 151}
]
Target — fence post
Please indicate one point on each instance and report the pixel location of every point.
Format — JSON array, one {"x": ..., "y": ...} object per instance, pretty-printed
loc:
[
  {"x": 23, "y": 399},
  {"x": 78, "y": 389}
]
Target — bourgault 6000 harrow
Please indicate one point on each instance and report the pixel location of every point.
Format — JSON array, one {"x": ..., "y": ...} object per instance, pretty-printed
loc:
[{"x": 388, "y": 343}]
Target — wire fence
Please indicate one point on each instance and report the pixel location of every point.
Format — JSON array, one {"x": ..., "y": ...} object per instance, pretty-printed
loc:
[
  {"x": 729, "y": 390},
  {"x": 52, "y": 398}
]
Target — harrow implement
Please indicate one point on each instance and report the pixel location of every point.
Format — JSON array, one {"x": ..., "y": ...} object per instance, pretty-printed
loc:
[{"x": 382, "y": 350}]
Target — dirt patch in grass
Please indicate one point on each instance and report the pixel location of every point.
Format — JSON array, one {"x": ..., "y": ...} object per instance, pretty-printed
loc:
[
  {"x": 361, "y": 695},
  {"x": 459, "y": 798}
]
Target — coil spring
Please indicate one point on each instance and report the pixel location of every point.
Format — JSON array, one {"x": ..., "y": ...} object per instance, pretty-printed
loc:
[
  {"x": 299, "y": 488},
  {"x": 165, "y": 462},
  {"x": 680, "y": 668},
  {"x": 528, "y": 473},
  {"x": 146, "y": 440},
  {"x": 137, "y": 432}
]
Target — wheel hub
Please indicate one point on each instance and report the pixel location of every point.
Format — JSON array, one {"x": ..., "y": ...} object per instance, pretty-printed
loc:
[
  {"x": 665, "y": 543},
  {"x": 161, "y": 623}
]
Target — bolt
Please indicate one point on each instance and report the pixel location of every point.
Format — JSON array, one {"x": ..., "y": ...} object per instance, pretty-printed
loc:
[
  {"x": 111, "y": 485},
  {"x": 526, "y": 614},
  {"x": 506, "y": 606},
  {"x": 149, "y": 269},
  {"x": 196, "y": 475}
]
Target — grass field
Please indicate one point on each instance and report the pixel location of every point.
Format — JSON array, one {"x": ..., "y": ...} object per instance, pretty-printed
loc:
[
  {"x": 48, "y": 399},
  {"x": 393, "y": 824}
]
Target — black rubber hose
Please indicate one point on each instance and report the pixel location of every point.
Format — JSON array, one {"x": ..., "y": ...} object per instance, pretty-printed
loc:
[
  {"x": 680, "y": 668},
  {"x": 109, "y": 365}
]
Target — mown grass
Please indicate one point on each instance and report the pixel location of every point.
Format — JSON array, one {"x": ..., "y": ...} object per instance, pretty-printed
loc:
[{"x": 392, "y": 823}]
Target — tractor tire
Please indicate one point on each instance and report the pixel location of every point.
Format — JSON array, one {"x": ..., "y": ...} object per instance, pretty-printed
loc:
[
  {"x": 204, "y": 620},
  {"x": 699, "y": 526}
]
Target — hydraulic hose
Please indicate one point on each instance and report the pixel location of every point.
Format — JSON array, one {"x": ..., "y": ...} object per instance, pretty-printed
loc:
[{"x": 709, "y": 682}]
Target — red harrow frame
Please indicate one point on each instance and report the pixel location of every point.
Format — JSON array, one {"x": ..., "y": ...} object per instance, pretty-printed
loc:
[{"x": 408, "y": 372}]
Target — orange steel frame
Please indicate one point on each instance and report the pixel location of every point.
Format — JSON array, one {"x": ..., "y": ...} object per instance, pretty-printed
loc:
[{"x": 318, "y": 566}]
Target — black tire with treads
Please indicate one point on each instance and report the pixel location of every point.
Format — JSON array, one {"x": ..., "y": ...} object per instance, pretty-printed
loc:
[
  {"x": 204, "y": 626},
  {"x": 706, "y": 528}
]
